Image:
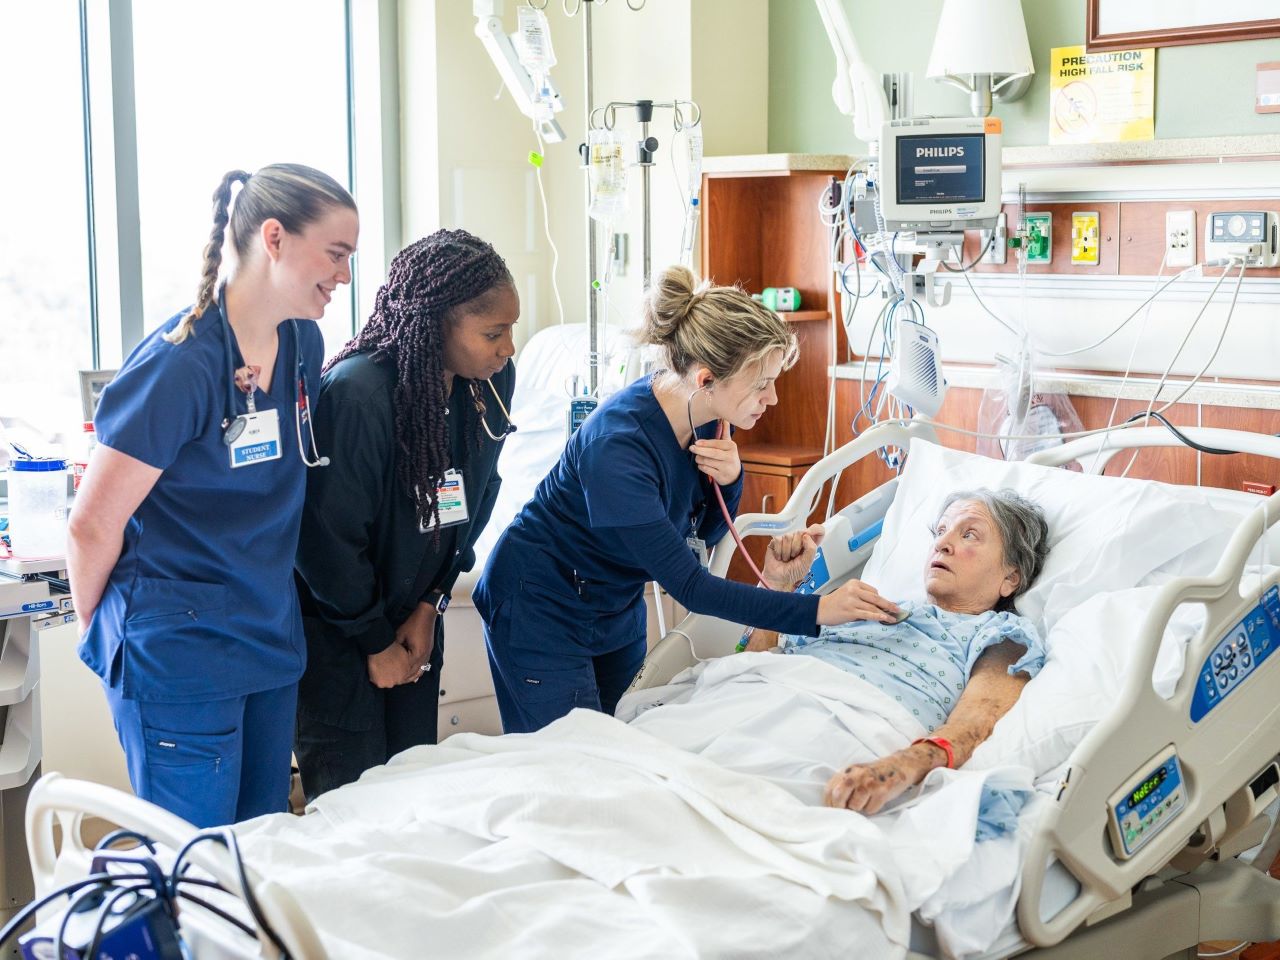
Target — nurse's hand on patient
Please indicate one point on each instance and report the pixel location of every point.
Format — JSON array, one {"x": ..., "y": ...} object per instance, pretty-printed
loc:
[
  {"x": 855, "y": 600},
  {"x": 718, "y": 459},
  {"x": 867, "y": 787},
  {"x": 789, "y": 557}
]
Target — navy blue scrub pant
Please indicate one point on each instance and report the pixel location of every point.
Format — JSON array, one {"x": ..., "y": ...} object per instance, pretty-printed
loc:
[
  {"x": 550, "y": 653},
  {"x": 210, "y": 762}
]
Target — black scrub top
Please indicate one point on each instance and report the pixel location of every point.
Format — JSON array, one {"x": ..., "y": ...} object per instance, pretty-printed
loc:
[{"x": 363, "y": 562}]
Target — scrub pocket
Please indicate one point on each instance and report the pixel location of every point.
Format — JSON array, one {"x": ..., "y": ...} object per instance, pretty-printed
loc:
[
  {"x": 155, "y": 598},
  {"x": 174, "y": 639},
  {"x": 185, "y": 770},
  {"x": 542, "y": 652}
]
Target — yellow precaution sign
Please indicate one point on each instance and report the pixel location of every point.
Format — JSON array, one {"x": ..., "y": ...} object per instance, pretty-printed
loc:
[{"x": 1101, "y": 97}]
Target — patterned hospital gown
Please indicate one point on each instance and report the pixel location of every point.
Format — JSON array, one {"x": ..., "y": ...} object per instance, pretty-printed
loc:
[{"x": 925, "y": 661}]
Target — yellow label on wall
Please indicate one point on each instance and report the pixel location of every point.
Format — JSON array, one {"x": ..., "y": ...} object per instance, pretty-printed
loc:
[{"x": 1101, "y": 97}]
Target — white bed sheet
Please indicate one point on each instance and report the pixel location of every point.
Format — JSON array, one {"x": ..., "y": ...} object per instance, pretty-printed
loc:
[{"x": 593, "y": 837}]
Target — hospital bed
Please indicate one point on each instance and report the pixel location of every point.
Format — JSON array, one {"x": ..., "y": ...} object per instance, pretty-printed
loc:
[
  {"x": 1091, "y": 884},
  {"x": 1182, "y": 882}
]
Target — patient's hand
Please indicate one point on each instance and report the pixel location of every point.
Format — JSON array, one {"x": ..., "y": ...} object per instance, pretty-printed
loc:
[
  {"x": 789, "y": 557},
  {"x": 867, "y": 787}
]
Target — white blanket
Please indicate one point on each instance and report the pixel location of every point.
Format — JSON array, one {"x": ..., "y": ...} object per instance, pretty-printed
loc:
[{"x": 595, "y": 838}]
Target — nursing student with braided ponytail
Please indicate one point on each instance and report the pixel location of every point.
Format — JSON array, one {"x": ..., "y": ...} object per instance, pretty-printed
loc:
[
  {"x": 183, "y": 535},
  {"x": 414, "y": 410}
]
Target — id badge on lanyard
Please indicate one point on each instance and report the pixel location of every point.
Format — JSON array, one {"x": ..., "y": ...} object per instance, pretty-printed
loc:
[
  {"x": 451, "y": 498},
  {"x": 259, "y": 441}
]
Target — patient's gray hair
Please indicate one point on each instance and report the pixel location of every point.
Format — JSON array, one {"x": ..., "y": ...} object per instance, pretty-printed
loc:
[{"x": 1023, "y": 531}]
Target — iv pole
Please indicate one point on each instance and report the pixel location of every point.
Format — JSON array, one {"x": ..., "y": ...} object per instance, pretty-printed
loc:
[{"x": 593, "y": 307}]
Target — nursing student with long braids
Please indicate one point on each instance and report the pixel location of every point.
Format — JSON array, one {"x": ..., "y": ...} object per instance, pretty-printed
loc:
[{"x": 412, "y": 413}]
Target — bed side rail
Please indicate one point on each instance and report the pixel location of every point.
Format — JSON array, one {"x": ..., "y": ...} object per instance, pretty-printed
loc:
[
  {"x": 795, "y": 514},
  {"x": 64, "y": 802},
  {"x": 1221, "y": 753},
  {"x": 1093, "y": 453}
]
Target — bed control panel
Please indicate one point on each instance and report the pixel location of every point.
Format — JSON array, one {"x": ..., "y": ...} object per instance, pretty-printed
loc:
[
  {"x": 1148, "y": 803},
  {"x": 839, "y": 552},
  {"x": 1246, "y": 645}
]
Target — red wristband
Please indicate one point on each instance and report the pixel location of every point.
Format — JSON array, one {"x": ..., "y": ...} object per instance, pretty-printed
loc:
[{"x": 943, "y": 744}]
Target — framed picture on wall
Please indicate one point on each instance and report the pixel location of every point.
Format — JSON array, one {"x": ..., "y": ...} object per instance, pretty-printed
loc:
[{"x": 1123, "y": 24}]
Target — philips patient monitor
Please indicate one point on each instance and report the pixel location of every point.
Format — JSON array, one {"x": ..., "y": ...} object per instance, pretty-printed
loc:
[{"x": 939, "y": 175}]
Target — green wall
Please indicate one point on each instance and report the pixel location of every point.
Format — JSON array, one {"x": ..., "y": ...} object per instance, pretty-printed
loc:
[{"x": 1201, "y": 91}]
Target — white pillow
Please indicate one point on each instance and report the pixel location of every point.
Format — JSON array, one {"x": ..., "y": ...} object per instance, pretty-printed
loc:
[{"x": 1105, "y": 533}]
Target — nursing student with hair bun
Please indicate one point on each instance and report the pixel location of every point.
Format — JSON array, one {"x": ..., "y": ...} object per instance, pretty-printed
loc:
[
  {"x": 182, "y": 540},
  {"x": 631, "y": 501},
  {"x": 414, "y": 410}
]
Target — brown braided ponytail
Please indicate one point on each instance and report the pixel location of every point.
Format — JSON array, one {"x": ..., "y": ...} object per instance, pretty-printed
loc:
[
  {"x": 429, "y": 283},
  {"x": 294, "y": 194}
]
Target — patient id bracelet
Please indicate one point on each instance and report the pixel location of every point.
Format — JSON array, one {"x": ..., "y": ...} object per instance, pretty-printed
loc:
[{"x": 943, "y": 744}]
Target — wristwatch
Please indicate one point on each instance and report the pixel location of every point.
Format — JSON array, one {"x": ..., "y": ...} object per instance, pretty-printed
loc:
[{"x": 438, "y": 600}]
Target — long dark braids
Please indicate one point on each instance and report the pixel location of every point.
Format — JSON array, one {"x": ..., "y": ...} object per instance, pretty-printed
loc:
[{"x": 428, "y": 280}]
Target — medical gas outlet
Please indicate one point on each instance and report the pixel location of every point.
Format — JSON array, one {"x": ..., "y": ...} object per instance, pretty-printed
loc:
[
  {"x": 1039, "y": 237},
  {"x": 1084, "y": 239},
  {"x": 1252, "y": 236}
]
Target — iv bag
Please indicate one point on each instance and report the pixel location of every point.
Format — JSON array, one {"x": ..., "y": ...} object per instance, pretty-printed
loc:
[
  {"x": 607, "y": 176},
  {"x": 694, "y": 135},
  {"x": 533, "y": 41},
  {"x": 533, "y": 46}
]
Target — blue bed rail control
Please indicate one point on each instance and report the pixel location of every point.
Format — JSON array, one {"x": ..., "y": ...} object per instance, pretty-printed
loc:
[
  {"x": 838, "y": 549},
  {"x": 1146, "y": 804},
  {"x": 863, "y": 537},
  {"x": 818, "y": 575},
  {"x": 1237, "y": 655}
]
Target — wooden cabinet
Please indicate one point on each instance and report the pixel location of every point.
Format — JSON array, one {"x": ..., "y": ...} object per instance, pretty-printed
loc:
[{"x": 767, "y": 484}]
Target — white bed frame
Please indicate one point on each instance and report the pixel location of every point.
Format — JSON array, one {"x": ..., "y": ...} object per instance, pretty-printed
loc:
[
  {"x": 1185, "y": 886},
  {"x": 1181, "y": 888}
]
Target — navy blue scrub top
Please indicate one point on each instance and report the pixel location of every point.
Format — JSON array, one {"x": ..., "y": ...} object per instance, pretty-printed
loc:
[
  {"x": 615, "y": 513},
  {"x": 201, "y": 605}
]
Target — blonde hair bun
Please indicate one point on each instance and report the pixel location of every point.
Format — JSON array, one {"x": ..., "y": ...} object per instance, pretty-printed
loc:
[
  {"x": 672, "y": 295},
  {"x": 697, "y": 323}
]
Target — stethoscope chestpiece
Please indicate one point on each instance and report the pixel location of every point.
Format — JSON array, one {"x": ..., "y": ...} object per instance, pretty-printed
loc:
[{"x": 231, "y": 430}]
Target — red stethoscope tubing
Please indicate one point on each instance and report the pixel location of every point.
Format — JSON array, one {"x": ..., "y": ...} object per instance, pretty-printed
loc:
[{"x": 728, "y": 519}]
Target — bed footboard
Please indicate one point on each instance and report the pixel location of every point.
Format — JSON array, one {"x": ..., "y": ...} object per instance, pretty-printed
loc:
[{"x": 61, "y": 804}]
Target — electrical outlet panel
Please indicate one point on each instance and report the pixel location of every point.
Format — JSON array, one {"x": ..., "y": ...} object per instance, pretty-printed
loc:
[
  {"x": 1180, "y": 238},
  {"x": 997, "y": 246},
  {"x": 1251, "y": 235},
  {"x": 1084, "y": 239},
  {"x": 1039, "y": 239}
]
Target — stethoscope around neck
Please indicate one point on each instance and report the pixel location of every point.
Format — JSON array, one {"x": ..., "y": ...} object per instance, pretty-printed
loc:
[
  {"x": 477, "y": 397},
  {"x": 233, "y": 424}
]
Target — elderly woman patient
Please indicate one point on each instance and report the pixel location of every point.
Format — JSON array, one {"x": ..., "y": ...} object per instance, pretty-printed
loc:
[{"x": 957, "y": 663}]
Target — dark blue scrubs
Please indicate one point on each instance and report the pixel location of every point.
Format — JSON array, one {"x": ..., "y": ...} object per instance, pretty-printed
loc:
[
  {"x": 198, "y": 638},
  {"x": 562, "y": 595}
]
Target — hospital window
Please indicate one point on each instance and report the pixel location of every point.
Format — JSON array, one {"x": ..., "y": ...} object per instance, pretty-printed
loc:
[
  {"x": 46, "y": 333},
  {"x": 232, "y": 85}
]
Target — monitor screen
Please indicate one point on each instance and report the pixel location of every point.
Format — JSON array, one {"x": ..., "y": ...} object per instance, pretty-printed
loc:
[{"x": 941, "y": 169}]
